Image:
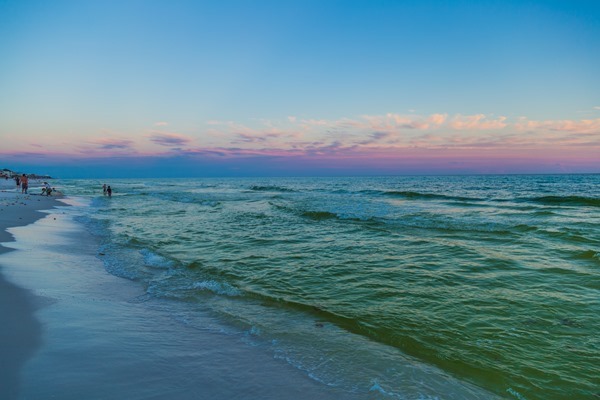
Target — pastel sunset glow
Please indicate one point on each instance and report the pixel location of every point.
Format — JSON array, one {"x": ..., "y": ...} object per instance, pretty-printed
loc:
[{"x": 273, "y": 88}]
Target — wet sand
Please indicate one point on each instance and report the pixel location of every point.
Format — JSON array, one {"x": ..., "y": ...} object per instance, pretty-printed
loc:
[{"x": 20, "y": 331}]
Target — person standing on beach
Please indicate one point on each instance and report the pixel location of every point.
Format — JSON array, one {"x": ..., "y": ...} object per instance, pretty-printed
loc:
[
  {"x": 104, "y": 189},
  {"x": 24, "y": 184},
  {"x": 109, "y": 191},
  {"x": 18, "y": 180}
]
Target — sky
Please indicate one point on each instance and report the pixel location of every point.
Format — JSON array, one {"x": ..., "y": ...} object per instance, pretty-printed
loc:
[{"x": 153, "y": 88}]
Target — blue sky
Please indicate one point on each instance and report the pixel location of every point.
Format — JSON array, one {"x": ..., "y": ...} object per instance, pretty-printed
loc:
[{"x": 161, "y": 80}]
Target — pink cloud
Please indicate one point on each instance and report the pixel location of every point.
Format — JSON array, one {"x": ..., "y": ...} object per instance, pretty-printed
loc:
[
  {"x": 581, "y": 126},
  {"x": 396, "y": 131},
  {"x": 375, "y": 139},
  {"x": 477, "y": 122},
  {"x": 437, "y": 119},
  {"x": 392, "y": 122}
]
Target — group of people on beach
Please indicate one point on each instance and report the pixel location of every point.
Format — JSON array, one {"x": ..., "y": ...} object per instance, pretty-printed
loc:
[
  {"x": 22, "y": 182},
  {"x": 107, "y": 190}
]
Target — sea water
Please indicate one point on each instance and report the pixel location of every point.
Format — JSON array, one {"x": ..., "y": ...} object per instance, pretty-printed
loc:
[
  {"x": 402, "y": 287},
  {"x": 103, "y": 337}
]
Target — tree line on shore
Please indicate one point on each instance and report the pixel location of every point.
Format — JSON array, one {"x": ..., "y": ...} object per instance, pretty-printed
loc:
[{"x": 7, "y": 173}]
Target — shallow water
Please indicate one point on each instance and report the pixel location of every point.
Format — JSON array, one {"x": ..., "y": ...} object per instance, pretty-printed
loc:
[
  {"x": 492, "y": 280},
  {"x": 102, "y": 337}
]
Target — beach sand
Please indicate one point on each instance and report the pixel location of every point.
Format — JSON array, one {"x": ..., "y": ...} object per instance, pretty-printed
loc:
[
  {"x": 20, "y": 332},
  {"x": 17, "y": 209},
  {"x": 70, "y": 330}
]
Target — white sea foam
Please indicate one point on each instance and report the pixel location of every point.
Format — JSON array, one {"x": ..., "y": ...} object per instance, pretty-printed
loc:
[
  {"x": 152, "y": 259},
  {"x": 217, "y": 287},
  {"x": 516, "y": 394}
]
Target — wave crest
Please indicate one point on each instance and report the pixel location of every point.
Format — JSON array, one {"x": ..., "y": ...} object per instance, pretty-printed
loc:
[
  {"x": 217, "y": 287},
  {"x": 428, "y": 196},
  {"x": 565, "y": 200},
  {"x": 257, "y": 188}
]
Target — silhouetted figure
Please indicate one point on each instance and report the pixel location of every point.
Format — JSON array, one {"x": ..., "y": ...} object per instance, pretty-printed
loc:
[
  {"x": 109, "y": 191},
  {"x": 24, "y": 184}
]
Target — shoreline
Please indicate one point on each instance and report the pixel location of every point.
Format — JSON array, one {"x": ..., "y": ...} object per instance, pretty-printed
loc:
[
  {"x": 135, "y": 237},
  {"x": 89, "y": 326},
  {"x": 20, "y": 331},
  {"x": 68, "y": 328},
  {"x": 17, "y": 209}
]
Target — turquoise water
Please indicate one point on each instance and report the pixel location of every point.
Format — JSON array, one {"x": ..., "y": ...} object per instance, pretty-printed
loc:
[{"x": 493, "y": 280}]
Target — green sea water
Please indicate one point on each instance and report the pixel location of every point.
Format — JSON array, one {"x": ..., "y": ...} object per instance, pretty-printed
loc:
[{"x": 492, "y": 280}]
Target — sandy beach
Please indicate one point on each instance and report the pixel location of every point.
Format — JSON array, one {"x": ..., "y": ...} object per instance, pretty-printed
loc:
[
  {"x": 17, "y": 209},
  {"x": 20, "y": 332},
  {"x": 70, "y": 330}
]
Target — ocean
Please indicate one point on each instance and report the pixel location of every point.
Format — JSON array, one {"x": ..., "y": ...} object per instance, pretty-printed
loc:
[{"x": 400, "y": 287}]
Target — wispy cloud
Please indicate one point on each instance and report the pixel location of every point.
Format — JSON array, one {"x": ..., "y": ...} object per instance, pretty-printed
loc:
[
  {"x": 396, "y": 131},
  {"x": 112, "y": 144},
  {"x": 477, "y": 122},
  {"x": 257, "y": 137},
  {"x": 25, "y": 155},
  {"x": 392, "y": 122},
  {"x": 375, "y": 137},
  {"x": 161, "y": 123},
  {"x": 368, "y": 139},
  {"x": 574, "y": 126},
  {"x": 168, "y": 139}
]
